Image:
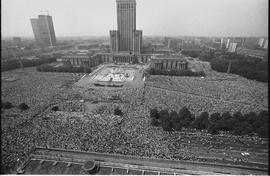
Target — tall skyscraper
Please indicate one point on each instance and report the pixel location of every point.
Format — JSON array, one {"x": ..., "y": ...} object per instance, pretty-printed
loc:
[
  {"x": 126, "y": 38},
  {"x": 43, "y": 30}
]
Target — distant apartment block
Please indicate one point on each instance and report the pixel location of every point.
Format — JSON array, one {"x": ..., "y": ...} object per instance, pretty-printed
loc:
[
  {"x": 169, "y": 63},
  {"x": 232, "y": 47},
  {"x": 261, "y": 42},
  {"x": 43, "y": 30},
  {"x": 266, "y": 44}
]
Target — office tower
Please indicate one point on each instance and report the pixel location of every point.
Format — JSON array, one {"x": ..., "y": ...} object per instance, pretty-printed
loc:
[
  {"x": 126, "y": 38},
  {"x": 228, "y": 43},
  {"x": 266, "y": 44},
  {"x": 43, "y": 30},
  {"x": 261, "y": 42},
  {"x": 232, "y": 47}
]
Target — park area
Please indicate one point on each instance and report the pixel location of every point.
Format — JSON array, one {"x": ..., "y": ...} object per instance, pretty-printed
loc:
[{"x": 84, "y": 118}]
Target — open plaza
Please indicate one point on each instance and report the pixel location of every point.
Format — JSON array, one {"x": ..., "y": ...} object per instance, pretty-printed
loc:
[{"x": 114, "y": 76}]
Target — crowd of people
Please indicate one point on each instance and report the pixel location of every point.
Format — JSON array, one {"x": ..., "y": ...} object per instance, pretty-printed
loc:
[
  {"x": 239, "y": 90},
  {"x": 100, "y": 131},
  {"x": 202, "y": 95},
  {"x": 107, "y": 133}
]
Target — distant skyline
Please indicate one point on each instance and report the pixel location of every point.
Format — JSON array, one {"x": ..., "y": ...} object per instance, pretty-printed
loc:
[{"x": 154, "y": 17}]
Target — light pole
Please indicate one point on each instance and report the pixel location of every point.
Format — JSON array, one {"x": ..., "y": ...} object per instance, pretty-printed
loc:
[{"x": 18, "y": 58}]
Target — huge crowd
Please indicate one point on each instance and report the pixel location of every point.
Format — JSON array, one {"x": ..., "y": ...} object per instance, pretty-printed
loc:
[
  {"x": 101, "y": 131},
  {"x": 203, "y": 94},
  {"x": 238, "y": 90}
]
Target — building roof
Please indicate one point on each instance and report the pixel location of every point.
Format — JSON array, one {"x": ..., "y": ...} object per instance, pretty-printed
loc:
[
  {"x": 125, "y": 1},
  {"x": 172, "y": 57},
  {"x": 59, "y": 161}
]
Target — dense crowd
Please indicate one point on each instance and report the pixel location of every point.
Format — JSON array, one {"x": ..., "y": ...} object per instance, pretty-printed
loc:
[
  {"x": 239, "y": 90},
  {"x": 33, "y": 88},
  {"x": 70, "y": 127},
  {"x": 206, "y": 94},
  {"x": 128, "y": 135},
  {"x": 64, "y": 68}
]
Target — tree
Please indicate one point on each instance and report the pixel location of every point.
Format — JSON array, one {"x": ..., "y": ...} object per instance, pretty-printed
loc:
[
  {"x": 55, "y": 108},
  {"x": 185, "y": 116},
  {"x": 44, "y": 68},
  {"x": 201, "y": 122},
  {"x": 154, "y": 115},
  {"x": 226, "y": 121},
  {"x": 263, "y": 116},
  {"x": 238, "y": 117},
  {"x": 176, "y": 121},
  {"x": 164, "y": 115},
  {"x": 166, "y": 123},
  {"x": 23, "y": 106},
  {"x": 167, "y": 126},
  {"x": 215, "y": 117},
  {"x": 118, "y": 112},
  {"x": 214, "y": 123},
  {"x": 263, "y": 131},
  {"x": 6, "y": 105},
  {"x": 250, "y": 117}
]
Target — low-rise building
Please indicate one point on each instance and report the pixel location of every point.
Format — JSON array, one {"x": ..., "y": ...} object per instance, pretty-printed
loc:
[
  {"x": 169, "y": 63},
  {"x": 85, "y": 59},
  {"x": 77, "y": 59}
]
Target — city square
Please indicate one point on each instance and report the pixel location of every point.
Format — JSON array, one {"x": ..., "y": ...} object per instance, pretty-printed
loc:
[{"x": 114, "y": 76}]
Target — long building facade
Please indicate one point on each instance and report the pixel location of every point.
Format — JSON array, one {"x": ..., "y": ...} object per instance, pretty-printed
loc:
[
  {"x": 43, "y": 30},
  {"x": 169, "y": 63},
  {"x": 126, "y": 38},
  {"x": 88, "y": 60}
]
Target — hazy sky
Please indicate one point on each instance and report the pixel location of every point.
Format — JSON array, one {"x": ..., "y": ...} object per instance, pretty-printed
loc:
[{"x": 154, "y": 17}]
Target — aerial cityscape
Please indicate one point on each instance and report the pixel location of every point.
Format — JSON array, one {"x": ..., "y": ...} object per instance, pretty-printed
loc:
[{"x": 129, "y": 97}]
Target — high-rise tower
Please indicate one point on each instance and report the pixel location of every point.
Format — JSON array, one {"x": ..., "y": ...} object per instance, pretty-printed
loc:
[
  {"x": 126, "y": 38},
  {"x": 43, "y": 30}
]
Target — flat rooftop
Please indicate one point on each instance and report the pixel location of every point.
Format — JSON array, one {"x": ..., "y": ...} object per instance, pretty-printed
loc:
[
  {"x": 60, "y": 161},
  {"x": 176, "y": 57}
]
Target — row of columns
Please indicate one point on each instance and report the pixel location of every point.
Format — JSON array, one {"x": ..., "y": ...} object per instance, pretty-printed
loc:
[
  {"x": 121, "y": 59},
  {"x": 171, "y": 65}
]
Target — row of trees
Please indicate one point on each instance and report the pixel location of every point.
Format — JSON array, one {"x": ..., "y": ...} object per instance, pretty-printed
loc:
[
  {"x": 237, "y": 124},
  {"x": 193, "y": 54},
  {"x": 154, "y": 71},
  {"x": 248, "y": 67},
  {"x": 65, "y": 68},
  {"x": 14, "y": 64},
  {"x": 8, "y": 105},
  {"x": 243, "y": 66}
]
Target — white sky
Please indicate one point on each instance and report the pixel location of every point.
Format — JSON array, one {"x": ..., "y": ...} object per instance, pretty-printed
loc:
[{"x": 154, "y": 17}]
